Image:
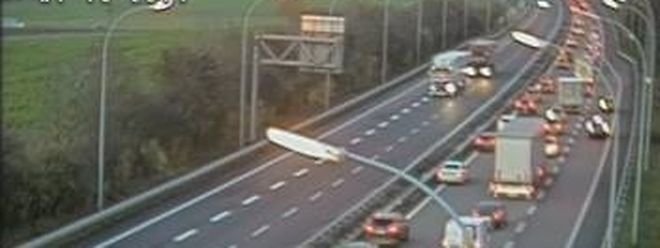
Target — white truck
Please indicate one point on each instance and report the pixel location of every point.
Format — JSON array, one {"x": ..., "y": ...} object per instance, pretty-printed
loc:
[
  {"x": 571, "y": 94},
  {"x": 515, "y": 174},
  {"x": 444, "y": 81}
]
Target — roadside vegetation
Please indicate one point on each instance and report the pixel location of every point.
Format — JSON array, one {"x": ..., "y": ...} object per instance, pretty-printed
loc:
[{"x": 172, "y": 93}]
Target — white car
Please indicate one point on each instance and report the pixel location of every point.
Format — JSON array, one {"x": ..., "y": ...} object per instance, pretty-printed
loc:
[
  {"x": 453, "y": 172},
  {"x": 552, "y": 148},
  {"x": 597, "y": 127}
]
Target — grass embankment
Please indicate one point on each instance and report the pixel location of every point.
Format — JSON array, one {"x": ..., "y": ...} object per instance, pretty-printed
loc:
[{"x": 649, "y": 215}]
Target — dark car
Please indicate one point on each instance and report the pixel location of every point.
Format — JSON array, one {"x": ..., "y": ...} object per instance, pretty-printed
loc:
[
  {"x": 494, "y": 210},
  {"x": 386, "y": 228}
]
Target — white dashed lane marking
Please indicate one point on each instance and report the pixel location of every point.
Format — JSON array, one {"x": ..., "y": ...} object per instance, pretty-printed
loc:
[
  {"x": 277, "y": 185},
  {"x": 531, "y": 210},
  {"x": 185, "y": 235},
  {"x": 357, "y": 170},
  {"x": 370, "y": 132},
  {"x": 250, "y": 200},
  {"x": 414, "y": 131},
  {"x": 220, "y": 216},
  {"x": 337, "y": 183},
  {"x": 415, "y": 105},
  {"x": 301, "y": 172},
  {"x": 316, "y": 196},
  {"x": 383, "y": 124},
  {"x": 394, "y": 117},
  {"x": 435, "y": 117},
  {"x": 402, "y": 139},
  {"x": 425, "y": 123},
  {"x": 260, "y": 231},
  {"x": 356, "y": 141},
  {"x": 389, "y": 148},
  {"x": 425, "y": 99},
  {"x": 509, "y": 244},
  {"x": 290, "y": 212},
  {"x": 405, "y": 111}
]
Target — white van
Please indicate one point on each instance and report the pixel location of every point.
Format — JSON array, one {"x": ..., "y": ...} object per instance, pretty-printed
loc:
[{"x": 475, "y": 233}]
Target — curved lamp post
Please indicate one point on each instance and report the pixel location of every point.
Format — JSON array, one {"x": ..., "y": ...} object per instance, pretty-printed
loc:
[
  {"x": 324, "y": 152},
  {"x": 157, "y": 6}
]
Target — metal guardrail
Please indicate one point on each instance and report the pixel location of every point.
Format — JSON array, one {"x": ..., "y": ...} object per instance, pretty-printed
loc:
[
  {"x": 99, "y": 219},
  {"x": 394, "y": 187}
]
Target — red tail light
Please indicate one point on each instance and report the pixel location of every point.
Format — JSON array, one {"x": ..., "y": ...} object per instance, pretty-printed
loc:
[
  {"x": 369, "y": 229},
  {"x": 393, "y": 230}
]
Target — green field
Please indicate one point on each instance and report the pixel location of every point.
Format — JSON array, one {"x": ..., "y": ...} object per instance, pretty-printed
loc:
[{"x": 41, "y": 72}]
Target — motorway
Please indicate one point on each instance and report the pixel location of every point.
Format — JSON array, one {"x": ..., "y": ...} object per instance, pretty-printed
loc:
[
  {"x": 285, "y": 200},
  {"x": 573, "y": 211}
]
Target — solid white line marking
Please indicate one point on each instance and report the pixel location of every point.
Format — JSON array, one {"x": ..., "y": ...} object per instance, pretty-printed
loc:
[
  {"x": 402, "y": 139},
  {"x": 471, "y": 158},
  {"x": 423, "y": 204},
  {"x": 425, "y": 123},
  {"x": 370, "y": 132},
  {"x": 509, "y": 244},
  {"x": 389, "y": 148},
  {"x": 185, "y": 235},
  {"x": 220, "y": 216},
  {"x": 337, "y": 183},
  {"x": 250, "y": 200},
  {"x": 316, "y": 196},
  {"x": 520, "y": 227},
  {"x": 394, "y": 117},
  {"x": 277, "y": 185},
  {"x": 201, "y": 197},
  {"x": 531, "y": 210},
  {"x": 405, "y": 111},
  {"x": 415, "y": 105},
  {"x": 290, "y": 212},
  {"x": 414, "y": 131},
  {"x": 260, "y": 231},
  {"x": 383, "y": 124},
  {"x": 356, "y": 141},
  {"x": 357, "y": 170},
  {"x": 301, "y": 172}
]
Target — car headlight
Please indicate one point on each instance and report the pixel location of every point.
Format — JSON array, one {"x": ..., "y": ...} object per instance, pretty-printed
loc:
[
  {"x": 486, "y": 71},
  {"x": 470, "y": 71}
]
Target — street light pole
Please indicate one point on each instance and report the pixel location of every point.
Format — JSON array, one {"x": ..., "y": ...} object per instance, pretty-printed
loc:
[
  {"x": 445, "y": 6},
  {"x": 420, "y": 24},
  {"x": 157, "y": 6},
  {"x": 243, "y": 88},
  {"x": 385, "y": 38},
  {"x": 465, "y": 18}
]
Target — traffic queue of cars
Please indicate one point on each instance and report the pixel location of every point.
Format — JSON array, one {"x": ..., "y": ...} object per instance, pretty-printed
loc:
[{"x": 547, "y": 104}]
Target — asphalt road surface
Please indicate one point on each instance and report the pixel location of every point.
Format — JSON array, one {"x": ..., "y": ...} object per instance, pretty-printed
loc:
[{"x": 285, "y": 200}]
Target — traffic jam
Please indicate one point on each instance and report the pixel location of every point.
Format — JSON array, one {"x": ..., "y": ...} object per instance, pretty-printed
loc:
[{"x": 568, "y": 98}]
